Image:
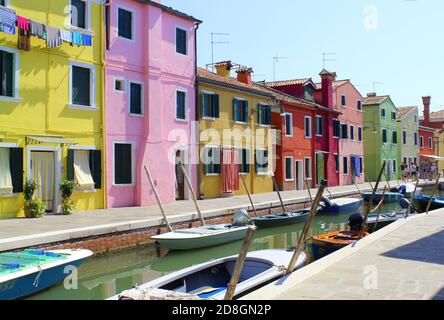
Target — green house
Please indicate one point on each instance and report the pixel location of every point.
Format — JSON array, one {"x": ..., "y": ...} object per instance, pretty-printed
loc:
[
  {"x": 380, "y": 131},
  {"x": 408, "y": 126}
]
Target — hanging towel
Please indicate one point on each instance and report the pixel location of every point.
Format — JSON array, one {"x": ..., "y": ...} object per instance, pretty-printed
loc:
[
  {"x": 77, "y": 38},
  {"x": 7, "y": 20},
  {"x": 22, "y": 23},
  {"x": 37, "y": 29},
  {"x": 230, "y": 170},
  {"x": 66, "y": 35},
  {"x": 24, "y": 40},
  {"x": 357, "y": 166},
  {"x": 53, "y": 38},
  {"x": 86, "y": 40}
]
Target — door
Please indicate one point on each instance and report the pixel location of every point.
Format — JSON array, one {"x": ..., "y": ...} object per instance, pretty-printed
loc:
[
  {"x": 319, "y": 167},
  {"x": 43, "y": 173},
  {"x": 180, "y": 179},
  {"x": 299, "y": 175}
]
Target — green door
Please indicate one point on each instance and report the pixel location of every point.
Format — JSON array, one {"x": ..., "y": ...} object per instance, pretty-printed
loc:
[{"x": 319, "y": 167}]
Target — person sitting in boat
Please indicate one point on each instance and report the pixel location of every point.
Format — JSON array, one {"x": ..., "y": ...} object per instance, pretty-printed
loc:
[{"x": 355, "y": 222}]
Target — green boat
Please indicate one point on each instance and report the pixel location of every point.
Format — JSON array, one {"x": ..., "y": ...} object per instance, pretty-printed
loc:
[{"x": 281, "y": 219}]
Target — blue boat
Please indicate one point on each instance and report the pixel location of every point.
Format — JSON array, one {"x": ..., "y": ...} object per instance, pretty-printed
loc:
[
  {"x": 423, "y": 202},
  {"x": 30, "y": 271},
  {"x": 388, "y": 197},
  {"x": 339, "y": 206}
]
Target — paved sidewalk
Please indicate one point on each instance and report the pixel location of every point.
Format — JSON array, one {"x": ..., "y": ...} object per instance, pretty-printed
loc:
[
  {"x": 19, "y": 233},
  {"x": 405, "y": 260}
]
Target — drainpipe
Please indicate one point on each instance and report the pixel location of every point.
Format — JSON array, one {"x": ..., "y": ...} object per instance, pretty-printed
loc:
[
  {"x": 103, "y": 122},
  {"x": 197, "y": 113}
]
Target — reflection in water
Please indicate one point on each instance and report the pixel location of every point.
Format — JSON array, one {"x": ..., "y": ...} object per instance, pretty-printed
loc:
[{"x": 105, "y": 276}]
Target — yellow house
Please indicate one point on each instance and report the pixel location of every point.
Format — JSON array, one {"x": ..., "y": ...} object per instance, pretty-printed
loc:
[
  {"x": 51, "y": 103},
  {"x": 234, "y": 116}
]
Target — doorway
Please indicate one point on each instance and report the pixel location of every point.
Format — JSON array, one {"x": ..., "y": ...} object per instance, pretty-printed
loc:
[
  {"x": 179, "y": 178},
  {"x": 299, "y": 175},
  {"x": 42, "y": 171}
]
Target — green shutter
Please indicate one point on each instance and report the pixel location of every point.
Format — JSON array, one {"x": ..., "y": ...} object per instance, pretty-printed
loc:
[
  {"x": 204, "y": 101},
  {"x": 16, "y": 168},
  {"x": 245, "y": 111},
  {"x": 259, "y": 114},
  {"x": 268, "y": 115},
  {"x": 236, "y": 108},
  {"x": 70, "y": 165},
  {"x": 95, "y": 164},
  {"x": 215, "y": 106}
]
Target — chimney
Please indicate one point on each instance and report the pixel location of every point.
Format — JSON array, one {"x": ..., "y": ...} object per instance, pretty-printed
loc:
[
  {"x": 244, "y": 75},
  {"x": 327, "y": 78},
  {"x": 371, "y": 94},
  {"x": 223, "y": 68},
  {"x": 426, "y": 101}
]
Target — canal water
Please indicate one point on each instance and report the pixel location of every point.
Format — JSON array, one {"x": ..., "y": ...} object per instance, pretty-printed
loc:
[{"x": 104, "y": 276}]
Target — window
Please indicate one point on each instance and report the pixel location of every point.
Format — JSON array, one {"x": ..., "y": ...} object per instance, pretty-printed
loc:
[
  {"x": 79, "y": 13},
  {"x": 244, "y": 160},
  {"x": 3, "y": 3},
  {"x": 82, "y": 85},
  {"x": 84, "y": 167},
  {"x": 359, "y": 105},
  {"x": 210, "y": 105},
  {"x": 307, "y": 167},
  {"x": 395, "y": 169},
  {"x": 344, "y": 131},
  {"x": 336, "y": 128},
  {"x": 404, "y": 160},
  {"x": 416, "y": 118},
  {"x": 119, "y": 85},
  {"x": 180, "y": 105},
  {"x": 337, "y": 162},
  {"x": 181, "y": 41},
  {"x": 264, "y": 114},
  {"x": 343, "y": 101},
  {"x": 289, "y": 169},
  {"x": 212, "y": 160},
  {"x": 123, "y": 163},
  {"x": 421, "y": 142},
  {"x": 352, "y": 133},
  {"x": 383, "y": 113},
  {"x": 261, "y": 161},
  {"x": 359, "y": 134},
  {"x": 289, "y": 124},
  {"x": 307, "y": 126},
  {"x": 240, "y": 110},
  {"x": 7, "y": 74},
  {"x": 404, "y": 137},
  {"x": 345, "y": 164},
  {"x": 11, "y": 174},
  {"x": 125, "y": 24},
  {"x": 384, "y": 135},
  {"x": 395, "y": 137},
  {"x": 393, "y": 115},
  {"x": 360, "y": 165},
  {"x": 430, "y": 143},
  {"x": 319, "y": 126},
  {"x": 136, "y": 98},
  {"x": 416, "y": 138}
]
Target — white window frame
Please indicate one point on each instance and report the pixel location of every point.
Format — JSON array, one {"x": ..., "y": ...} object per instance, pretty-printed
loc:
[
  {"x": 87, "y": 18},
  {"x": 430, "y": 143},
  {"x": 264, "y": 104},
  {"x": 16, "y": 53},
  {"x": 201, "y": 105},
  {"x": 175, "y": 40},
  {"x": 309, "y": 168},
  {"x": 316, "y": 126},
  {"x": 92, "y": 85},
  {"x": 239, "y": 150},
  {"x": 352, "y": 129},
  {"x": 211, "y": 146},
  {"x": 305, "y": 128},
  {"x": 115, "y": 79},
  {"x": 289, "y": 114},
  {"x": 142, "y": 92},
  {"x": 185, "y": 91},
  {"x": 255, "y": 162},
  {"x": 404, "y": 142},
  {"x": 133, "y": 164},
  {"x": 421, "y": 142},
  {"x": 133, "y": 23},
  {"x": 292, "y": 169},
  {"x": 240, "y": 122}
]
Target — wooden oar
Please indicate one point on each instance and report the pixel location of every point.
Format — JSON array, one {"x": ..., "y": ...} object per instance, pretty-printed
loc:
[
  {"x": 248, "y": 193},
  {"x": 412, "y": 198},
  {"x": 277, "y": 190},
  {"x": 368, "y": 207},
  {"x": 190, "y": 186},
  {"x": 302, "y": 239},
  {"x": 167, "y": 223},
  {"x": 381, "y": 204},
  {"x": 231, "y": 288},
  {"x": 435, "y": 188}
]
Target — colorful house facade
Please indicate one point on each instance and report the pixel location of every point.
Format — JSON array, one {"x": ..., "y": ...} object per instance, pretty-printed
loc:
[
  {"x": 348, "y": 101},
  {"x": 235, "y": 133},
  {"x": 51, "y": 101},
  {"x": 150, "y": 102},
  {"x": 380, "y": 136},
  {"x": 408, "y": 124}
]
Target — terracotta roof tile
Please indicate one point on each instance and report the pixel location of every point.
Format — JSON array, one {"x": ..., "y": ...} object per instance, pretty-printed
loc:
[
  {"x": 170, "y": 10},
  {"x": 368, "y": 101},
  {"x": 402, "y": 111},
  {"x": 336, "y": 84},
  {"x": 288, "y": 82}
]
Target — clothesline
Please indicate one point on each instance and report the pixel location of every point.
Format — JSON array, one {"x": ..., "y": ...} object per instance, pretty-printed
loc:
[{"x": 54, "y": 37}]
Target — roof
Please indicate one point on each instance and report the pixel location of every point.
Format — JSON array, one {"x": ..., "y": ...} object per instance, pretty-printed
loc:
[
  {"x": 403, "y": 111},
  {"x": 170, "y": 10},
  {"x": 293, "y": 82},
  {"x": 210, "y": 77},
  {"x": 368, "y": 101},
  {"x": 336, "y": 84},
  {"x": 437, "y": 115}
]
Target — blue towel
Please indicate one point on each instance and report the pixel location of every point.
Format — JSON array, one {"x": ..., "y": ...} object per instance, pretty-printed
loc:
[
  {"x": 10, "y": 265},
  {"x": 357, "y": 165},
  {"x": 77, "y": 38},
  {"x": 86, "y": 39},
  {"x": 7, "y": 20}
]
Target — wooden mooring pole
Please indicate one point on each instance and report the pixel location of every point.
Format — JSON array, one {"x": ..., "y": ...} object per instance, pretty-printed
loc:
[
  {"x": 381, "y": 204},
  {"x": 277, "y": 190},
  {"x": 248, "y": 193},
  {"x": 308, "y": 188},
  {"x": 435, "y": 188},
  {"x": 190, "y": 186},
  {"x": 412, "y": 198}
]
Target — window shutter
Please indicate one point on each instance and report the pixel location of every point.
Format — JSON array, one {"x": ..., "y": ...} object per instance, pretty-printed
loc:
[
  {"x": 95, "y": 164},
  {"x": 16, "y": 168},
  {"x": 215, "y": 105},
  {"x": 6, "y": 74},
  {"x": 204, "y": 103},
  {"x": 268, "y": 115},
  {"x": 245, "y": 111},
  {"x": 70, "y": 165},
  {"x": 259, "y": 114},
  {"x": 236, "y": 109}
]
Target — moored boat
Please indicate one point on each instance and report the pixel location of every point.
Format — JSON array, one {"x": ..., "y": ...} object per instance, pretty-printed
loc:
[
  {"x": 388, "y": 197},
  {"x": 27, "y": 272},
  {"x": 423, "y": 201},
  {"x": 325, "y": 244},
  {"x": 341, "y": 205},
  {"x": 281, "y": 219},
  {"x": 209, "y": 280}
]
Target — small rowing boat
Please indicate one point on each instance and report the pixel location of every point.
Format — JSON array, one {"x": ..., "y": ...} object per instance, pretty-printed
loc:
[
  {"x": 388, "y": 197},
  {"x": 325, "y": 244},
  {"x": 339, "y": 206},
  {"x": 423, "y": 202},
  {"x": 281, "y": 219},
  {"x": 209, "y": 280},
  {"x": 27, "y": 272}
]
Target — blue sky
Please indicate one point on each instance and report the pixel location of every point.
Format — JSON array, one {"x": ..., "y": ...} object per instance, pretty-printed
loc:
[{"x": 397, "y": 43}]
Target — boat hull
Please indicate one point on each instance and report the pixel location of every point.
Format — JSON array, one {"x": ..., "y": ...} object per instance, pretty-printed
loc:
[
  {"x": 271, "y": 221},
  {"x": 423, "y": 201},
  {"x": 388, "y": 197},
  {"x": 326, "y": 244},
  {"x": 352, "y": 205}
]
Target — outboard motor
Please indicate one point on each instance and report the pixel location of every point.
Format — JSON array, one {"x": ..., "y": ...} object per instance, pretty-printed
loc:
[
  {"x": 355, "y": 222},
  {"x": 327, "y": 202},
  {"x": 404, "y": 203},
  {"x": 241, "y": 218},
  {"x": 402, "y": 190}
]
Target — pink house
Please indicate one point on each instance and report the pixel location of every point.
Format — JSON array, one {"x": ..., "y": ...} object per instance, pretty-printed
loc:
[{"x": 150, "y": 101}]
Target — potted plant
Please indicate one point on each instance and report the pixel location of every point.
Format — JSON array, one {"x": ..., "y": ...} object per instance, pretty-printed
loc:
[
  {"x": 67, "y": 189},
  {"x": 34, "y": 207}
]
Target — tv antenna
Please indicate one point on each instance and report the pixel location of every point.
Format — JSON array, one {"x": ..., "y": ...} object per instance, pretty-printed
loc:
[
  {"x": 374, "y": 85},
  {"x": 216, "y": 42},
  {"x": 325, "y": 58},
  {"x": 276, "y": 60}
]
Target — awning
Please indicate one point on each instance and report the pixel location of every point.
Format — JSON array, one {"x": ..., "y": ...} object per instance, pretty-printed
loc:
[
  {"x": 54, "y": 140},
  {"x": 433, "y": 157}
]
